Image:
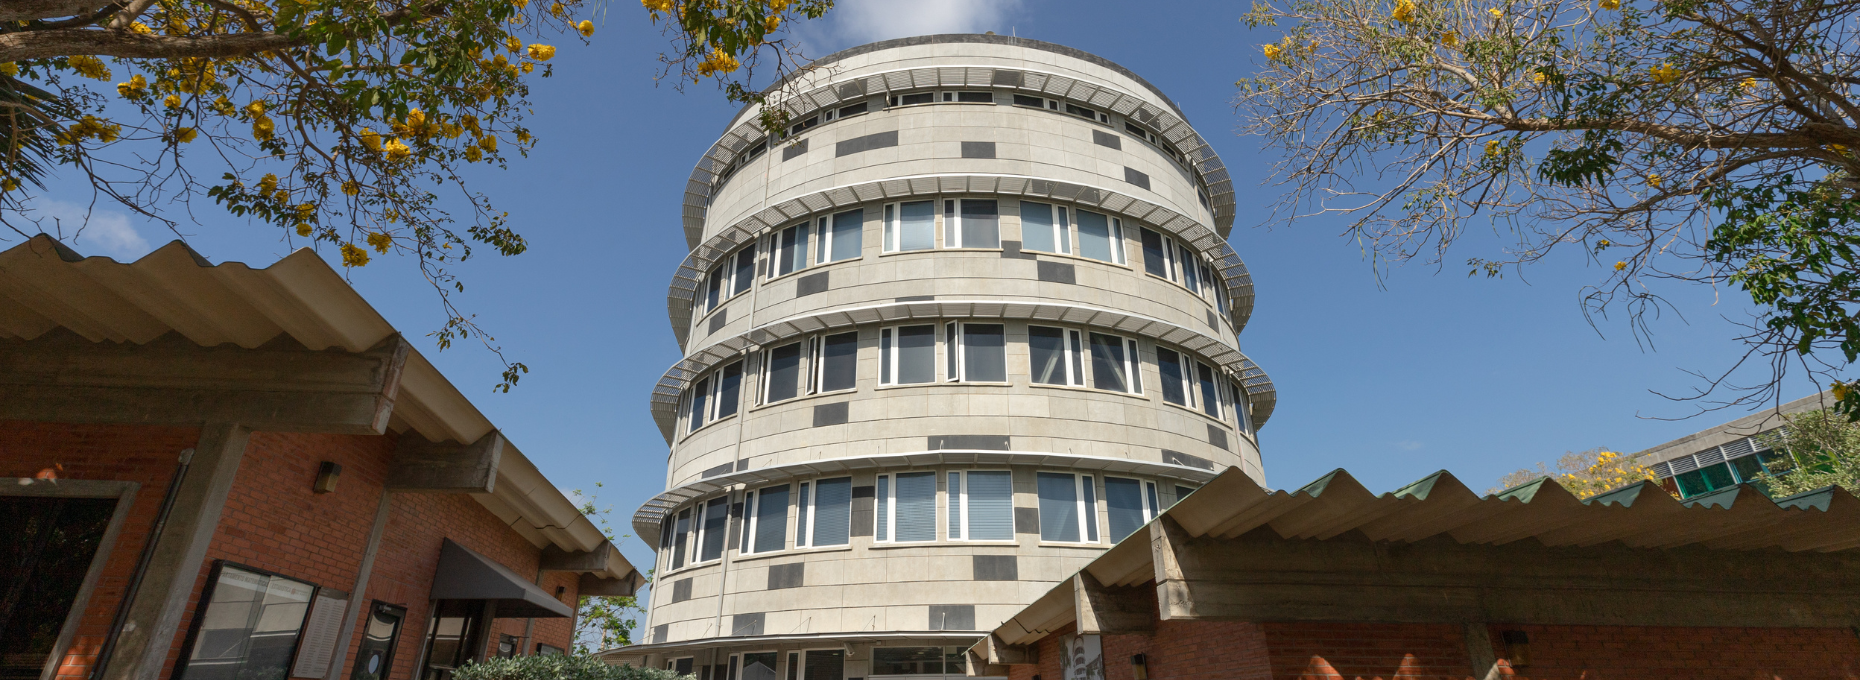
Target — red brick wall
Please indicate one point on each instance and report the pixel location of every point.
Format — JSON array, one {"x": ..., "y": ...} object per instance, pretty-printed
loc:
[{"x": 1621, "y": 652}]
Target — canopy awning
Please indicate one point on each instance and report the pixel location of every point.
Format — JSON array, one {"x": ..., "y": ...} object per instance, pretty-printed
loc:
[{"x": 467, "y": 575}]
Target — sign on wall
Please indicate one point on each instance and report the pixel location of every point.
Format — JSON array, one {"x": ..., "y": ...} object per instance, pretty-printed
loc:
[{"x": 1082, "y": 657}]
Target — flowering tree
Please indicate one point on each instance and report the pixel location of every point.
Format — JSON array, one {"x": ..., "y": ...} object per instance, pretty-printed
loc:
[
  {"x": 1661, "y": 139},
  {"x": 337, "y": 122},
  {"x": 1820, "y": 449},
  {"x": 1585, "y": 474}
]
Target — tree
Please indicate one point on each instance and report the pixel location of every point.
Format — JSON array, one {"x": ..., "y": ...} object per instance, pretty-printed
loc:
[
  {"x": 1822, "y": 449},
  {"x": 336, "y": 122},
  {"x": 604, "y": 622},
  {"x": 1585, "y": 474},
  {"x": 558, "y": 667},
  {"x": 1664, "y": 140}
]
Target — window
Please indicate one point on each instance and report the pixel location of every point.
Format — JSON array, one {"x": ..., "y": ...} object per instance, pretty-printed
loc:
[
  {"x": 981, "y": 506},
  {"x": 1175, "y": 376},
  {"x": 1114, "y": 364},
  {"x": 790, "y": 250},
  {"x": 980, "y": 353},
  {"x": 1155, "y": 258},
  {"x": 971, "y": 223},
  {"x": 758, "y": 666},
  {"x": 1191, "y": 277},
  {"x": 803, "y": 125},
  {"x": 918, "y": 661},
  {"x": 1237, "y": 397},
  {"x": 1182, "y": 492},
  {"x": 840, "y": 237},
  {"x": 699, "y": 402},
  {"x": 910, "y": 226},
  {"x": 681, "y": 532},
  {"x": 767, "y": 510},
  {"x": 1124, "y": 503},
  {"x": 1210, "y": 394},
  {"x": 732, "y": 276},
  {"x": 247, "y": 626},
  {"x": 1024, "y": 100},
  {"x": 711, "y": 530},
  {"x": 1087, "y": 114},
  {"x": 374, "y": 657},
  {"x": 907, "y": 355},
  {"x": 716, "y": 396},
  {"x": 834, "y": 362},
  {"x": 1054, "y": 356},
  {"x": 454, "y": 637},
  {"x": 1101, "y": 238},
  {"x": 1068, "y": 510},
  {"x": 1045, "y": 228},
  {"x": 828, "y": 520},
  {"x": 853, "y": 109},
  {"x": 906, "y": 507},
  {"x": 781, "y": 373},
  {"x": 825, "y": 664},
  {"x": 969, "y": 97},
  {"x": 913, "y": 99}
]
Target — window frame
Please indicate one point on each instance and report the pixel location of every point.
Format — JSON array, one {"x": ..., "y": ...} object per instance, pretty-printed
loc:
[
  {"x": 823, "y": 238},
  {"x": 885, "y": 511},
  {"x": 959, "y": 515},
  {"x": 1058, "y": 222},
  {"x": 1119, "y": 254},
  {"x": 812, "y": 516},
  {"x": 765, "y": 372},
  {"x": 952, "y": 224},
  {"x": 892, "y": 233},
  {"x": 890, "y": 351},
  {"x": 956, "y": 348},
  {"x": 752, "y": 517},
  {"x": 1146, "y": 499},
  {"x": 1212, "y": 384},
  {"x": 1185, "y": 362},
  {"x": 816, "y": 363},
  {"x": 722, "y": 277},
  {"x": 1072, "y": 352},
  {"x": 699, "y": 532},
  {"x": 1133, "y": 363},
  {"x": 1085, "y": 500},
  {"x": 203, "y": 605},
  {"x": 799, "y": 240},
  {"x": 713, "y": 382}
]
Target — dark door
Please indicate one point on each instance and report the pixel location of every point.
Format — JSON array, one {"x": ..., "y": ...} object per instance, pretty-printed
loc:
[
  {"x": 457, "y": 637},
  {"x": 47, "y": 550},
  {"x": 375, "y": 658}
]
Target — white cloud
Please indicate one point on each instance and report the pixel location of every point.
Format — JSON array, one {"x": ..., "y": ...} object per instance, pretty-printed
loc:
[
  {"x": 857, "y": 22},
  {"x": 90, "y": 232}
]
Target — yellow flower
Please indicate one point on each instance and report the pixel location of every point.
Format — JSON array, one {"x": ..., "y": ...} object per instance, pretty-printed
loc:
[
  {"x": 1840, "y": 391},
  {"x": 557, "y": 10},
  {"x": 370, "y": 139},
  {"x": 139, "y": 27},
  {"x": 1404, "y": 11},
  {"x": 473, "y": 155},
  {"x": 523, "y": 136},
  {"x": 185, "y": 135},
  {"x": 89, "y": 67},
  {"x": 172, "y": 101},
  {"x": 657, "y": 5},
  {"x": 305, "y": 210},
  {"x": 1750, "y": 84},
  {"x": 416, "y": 119},
  {"x": 529, "y": 66},
  {"x": 282, "y": 196},
  {"x": 353, "y": 256},
  {"x": 1492, "y": 148},
  {"x": 303, "y": 228},
  {"x": 268, "y": 183},
  {"x": 541, "y": 52},
  {"x": 263, "y": 129},
  {"x": 396, "y": 149},
  {"x": 1620, "y": 266},
  {"x": 1664, "y": 73},
  {"x": 770, "y": 24},
  {"x": 1538, "y": 77},
  {"x": 1603, "y": 243},
  {"x": 471, "y": 124},
  {"x": 9, "y": 69},
  {"x": 488, "y": 143},
  {"x": 718, "y": 62},
  {"x": 1496, "y": 13},
  {"x": 136, "y": 86},
  {"x": 256, "y": 108},
  {"x": 1610, "y": 5},
  {"x": 9, "y": 184},
  {"x": 1838, "y": 148},
  {"x": 587, "y": 28},
  {"x": 1653, "y": 181},
  {"x": 1272, "y": 51},
  {"x": 352, "y": 187},
  {"x": 513, "y": 44},
  {"x": 380, "y": 241},
  {"x": 1450, "y": 39}
]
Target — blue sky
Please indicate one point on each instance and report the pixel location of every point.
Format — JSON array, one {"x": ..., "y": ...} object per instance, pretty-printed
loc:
[{"x": 1431, "y": 370}]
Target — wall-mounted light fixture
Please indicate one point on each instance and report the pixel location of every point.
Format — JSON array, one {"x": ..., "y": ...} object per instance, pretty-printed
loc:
[
  {"x": 326, "y": 477},
  {"x": 1517, "y": 647},
  {"x": 1140, "y": 667}
]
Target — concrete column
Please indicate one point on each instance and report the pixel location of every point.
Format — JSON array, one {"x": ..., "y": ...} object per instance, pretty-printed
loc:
[
  {"x": 155, "y": 615},
  {"x": 358, "y": 598}
]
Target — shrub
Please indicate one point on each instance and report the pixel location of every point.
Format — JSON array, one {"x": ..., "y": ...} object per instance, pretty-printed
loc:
[{"x": 557, "y": 667}]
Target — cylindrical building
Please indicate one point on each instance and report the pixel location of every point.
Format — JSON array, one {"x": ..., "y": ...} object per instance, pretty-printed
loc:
[{"x": 970, "y": 320}]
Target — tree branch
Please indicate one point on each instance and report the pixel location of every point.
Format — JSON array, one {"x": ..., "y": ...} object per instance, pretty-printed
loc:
[{"x": 68, "y": 42}]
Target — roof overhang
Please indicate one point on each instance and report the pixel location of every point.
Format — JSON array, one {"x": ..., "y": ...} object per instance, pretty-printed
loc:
[{"x": 466, "y": 575}]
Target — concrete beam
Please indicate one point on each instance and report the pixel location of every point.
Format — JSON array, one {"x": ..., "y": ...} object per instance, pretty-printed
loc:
[
  {"x": 446, "y": 467},
  {"x": 608, "y": 587},
  {"x": 1000, "y": 654},
  {"x": 1112, "y": 611},
  {"x": 596, "y": 560},
  {"x": 281, "y": 386}
]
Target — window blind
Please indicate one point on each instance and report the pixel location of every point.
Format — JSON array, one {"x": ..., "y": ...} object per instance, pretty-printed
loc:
[
  {"x": 771, "y": 518},
  {"x": 991, "y": 506},
  {"x": 916, "y": 506},
  {"x": 832, "y": 511},
  {"x": 716, "y": 516}
]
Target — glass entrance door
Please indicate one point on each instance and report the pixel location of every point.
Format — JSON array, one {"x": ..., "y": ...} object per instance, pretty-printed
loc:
[
  {"x": 375, "y": 658},
  {"x": 48, "y": 547}
]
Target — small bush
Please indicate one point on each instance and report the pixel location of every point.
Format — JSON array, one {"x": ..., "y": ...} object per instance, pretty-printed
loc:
[{"x": 559, "y": 667}]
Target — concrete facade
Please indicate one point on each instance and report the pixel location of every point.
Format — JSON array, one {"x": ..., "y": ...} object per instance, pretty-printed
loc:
[
  {"x": 1727, "y": 455},
  {"x": 871, "y": 376}
]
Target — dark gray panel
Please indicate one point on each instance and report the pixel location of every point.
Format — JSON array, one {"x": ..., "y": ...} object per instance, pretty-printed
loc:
[
  {"x": 978, "y": 149},
  {"x": 790, "y": 151},
  {"x": 876, "y": 140},
  {"x": 1179, "y": 458},
  {"x": 786, "y": 575},
  {"x": 725, "y": 468},
  {"x": 916, "y": 298},
  {"x": 742, "y": 465},
  {"x": 862, "y": 501},
  {"x": 1010, "y": 250},
  {"x": 952, "y": 617},
  {"x": 1058, "y": 272},
  {"x": 1026, "y": 520},
  {"x": 997, "y": 568},
  {"x": 811, "y": 284},
  {"x": 718, "y": 320},
  {"x": 1218, "y": 437},
  {"x": 1213, "y": 321},
  {"x": 660, "y": 632},
  {"x": 681, "y": 590},
  {"x": 1008, "y": 78},
  {"x": 747, "y": 624},
  {"x": 830, "y": 414},
  {"x": 1106, "y": 139},
  {"x": 1132, "y": 176},
  {"x": 981, "y": 442}
]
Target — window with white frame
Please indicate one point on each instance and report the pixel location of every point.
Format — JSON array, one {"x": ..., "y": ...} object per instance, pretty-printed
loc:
[
  {"x": 715, "y": 396},
  {"x": 977, "y": 352},
  {"x": 1210, "y": 392},
  {"x": 1166, "y": 258},
  {"x": 1045, "y": 228},
  {"x": 781, "y": 373},
  {"x": 1174, "y": 370},
  {"x": 731, "y": 277},
  {"x": 1055, "y": 356},
  {"x": 833, "y": 362},
  {"x": 912, "y": 99},
  {"x": 969, "y": 97},
  {"x": 981, "y": 505},
  {"x": 681, "y": 538},
  {"x": 826, "y": 513},
  {"x": 766, "y": 511},
  {"x": 919, "y": 661},
  {"x": 1126, "y": 509},
  {"x": 755, "y": 666},
  {"x": 711, "y": 530},
  {"x": 1068, "y": 507},
  {"x": 1115, "y": 364},
  {"x": 910, "y": 226},
  {"x": 905, "y": 507},
  {"x": 841, "y": 236},
  {"x": 907, "y": 355},
  {"x": 1101, "y": 237},
  {"x": 1243, "y": 417},
  {"x": 788, "y": 250},
  {"x": 1088, "y": 114},
  {"x": 971, "y": 223},
  {"x": 1036, "y": 102}
]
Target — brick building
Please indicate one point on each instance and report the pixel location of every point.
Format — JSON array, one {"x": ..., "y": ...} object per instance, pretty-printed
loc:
[
  {"x": 1433, "y": 581},
  {"x": 213, "y": 471}
]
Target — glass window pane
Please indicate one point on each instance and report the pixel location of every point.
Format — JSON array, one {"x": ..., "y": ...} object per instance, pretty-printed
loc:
[
  {"x": 954, "y": 491},
  {"x": 1182, "y": 492},
  {"x": 883, "y": 500},
  {"x": 1059, "y": 507},
  {"x": 955, "y": 660},
  {"x": 840, "y": 362},
  {"x": 249, "y": 628},
  {"x": 1047, "y": 355},
  {"x": 847, "y": 228},
  {"x": 716, "y": 515},
  {"x": 917, "y": 228},
  {"x": 714, "y": 289},
  {"x": 1109, "y": 370},
  {"x": 700, "y": 394},
  {"x": 1065, "y": 232},
  {"x": 884, "y": 356},
  {"x": 784, "y": 372},
  {"x": 916, "y": 354},
  {"x": 916, "y": 506},
  {"x": 984, "y": 352},
  {"x": 1123, "y": 499},
  {"x": 1169, "y": 364},
  {"x": 981, "y": 224},
  {"x": 832, "y": 511},
  {"x": 1747, "y": 468},
  {"x": 784, "y": 251},
  {"x": 745, "y": 269},
  {"x": 1094, "y": 236},
  {"x": 730, "y": 389},
  {"x": 1718, "y": 476},
  {"x": 890, "y": 237},
  {"x": 759, "y": 666},
  {"x": 1210, "y": 396},
  {"x": 991, "y": 506},
  {"x": 907, "y": 661},
  {"x": 1189, "y": 277},
  {"x": 681, "y": 538},
  {"x": 1153, "y": 261},
  {"x": 825, "y": 665},
  {"x": 771, "y": 519},
  {"x": 1692, "y": 484},
  {"x": 1090, "y": 490},
  {"x": 1036, "y": 227}
]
